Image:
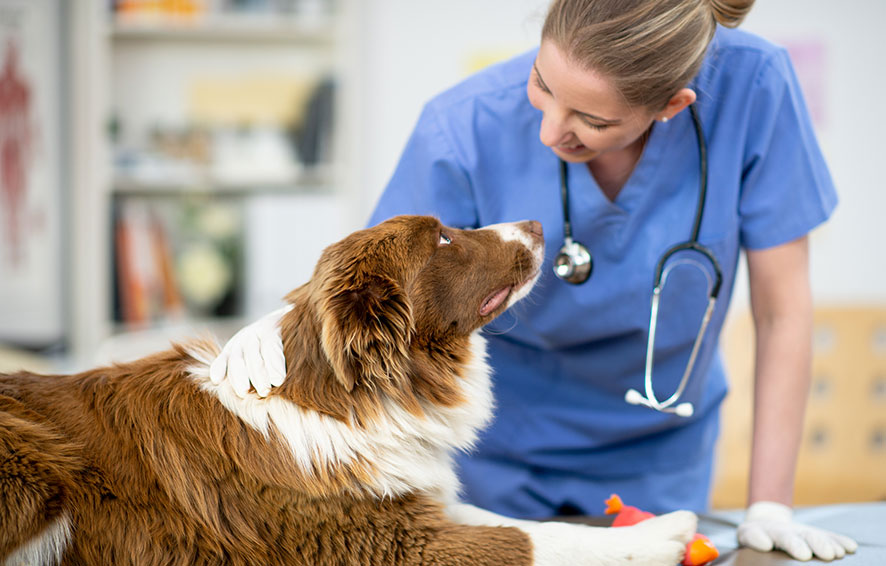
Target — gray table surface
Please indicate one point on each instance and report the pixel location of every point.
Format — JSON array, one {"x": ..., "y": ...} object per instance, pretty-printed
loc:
[{"x": 865, "y": 522}]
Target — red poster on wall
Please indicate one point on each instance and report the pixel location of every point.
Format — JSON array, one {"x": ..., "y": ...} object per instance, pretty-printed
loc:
[{"x": 31, "y": 263}]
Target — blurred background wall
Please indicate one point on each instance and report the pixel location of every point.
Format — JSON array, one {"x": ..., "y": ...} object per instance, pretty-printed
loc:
[{"x": 192, "y": 158}]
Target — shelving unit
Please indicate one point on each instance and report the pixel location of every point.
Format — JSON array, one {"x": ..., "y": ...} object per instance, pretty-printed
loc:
[
  {"x": 230, "y": 29},
  {"x": 312, "y": 182},
  {"x": 144, "y": 77}
]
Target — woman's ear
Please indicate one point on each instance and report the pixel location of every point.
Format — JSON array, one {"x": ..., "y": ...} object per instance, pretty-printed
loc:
[{"x": 683, "y": 98}]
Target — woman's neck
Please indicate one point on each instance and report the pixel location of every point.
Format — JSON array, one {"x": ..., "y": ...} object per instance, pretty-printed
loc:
[{"x": 612, "y": 169}]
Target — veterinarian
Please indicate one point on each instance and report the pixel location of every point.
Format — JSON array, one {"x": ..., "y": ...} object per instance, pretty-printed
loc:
[{"x": 594, "y": 134}]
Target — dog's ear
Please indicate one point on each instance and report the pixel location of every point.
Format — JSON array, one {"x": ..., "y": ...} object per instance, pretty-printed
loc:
[{"x": 367, "y": 327}]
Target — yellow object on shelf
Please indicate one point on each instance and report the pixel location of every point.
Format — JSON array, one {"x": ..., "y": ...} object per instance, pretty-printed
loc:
[
  {"x": 169, "y": 9},
  {"x": 256, "y": 99}
]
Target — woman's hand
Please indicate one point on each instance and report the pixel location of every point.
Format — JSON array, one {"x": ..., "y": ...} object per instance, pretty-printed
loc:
[
  {"x": 768, "y": 525},
  {"x": 253, "y": 357}
]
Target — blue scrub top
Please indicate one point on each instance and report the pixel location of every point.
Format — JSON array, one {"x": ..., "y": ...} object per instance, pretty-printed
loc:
[{"x": 564, "y": 357}]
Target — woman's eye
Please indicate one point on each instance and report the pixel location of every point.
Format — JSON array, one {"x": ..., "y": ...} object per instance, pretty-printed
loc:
[
  {"x": 598, "y": 127},
  {"x": 444, "y": 240}
]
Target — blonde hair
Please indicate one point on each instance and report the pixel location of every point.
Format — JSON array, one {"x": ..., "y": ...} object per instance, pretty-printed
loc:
[{"x": 649, "y": 48}]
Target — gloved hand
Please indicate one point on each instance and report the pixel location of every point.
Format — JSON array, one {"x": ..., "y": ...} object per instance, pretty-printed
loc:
[
  {"x": 768, "y": 525},
  {"x": 253, "y": 356}
]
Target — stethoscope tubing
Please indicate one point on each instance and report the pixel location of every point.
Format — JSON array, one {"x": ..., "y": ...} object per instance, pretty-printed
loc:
[
  {"x": 651, "y": 399},
  {"x": 696, "y": 247},
  {"x": 564, "y": 199},
  {"x": 577, "y": 254}
]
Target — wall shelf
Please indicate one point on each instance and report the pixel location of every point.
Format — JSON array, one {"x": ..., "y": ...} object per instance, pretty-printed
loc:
[
  {"x": 228, "y": 29},
  {"x": 311, "y": 181}
]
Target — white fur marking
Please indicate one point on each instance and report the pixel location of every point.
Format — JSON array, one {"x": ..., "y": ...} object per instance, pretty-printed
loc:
[
  {"x": 511, "y": 232},
  {"x": 44, "y": 549},
  {"x": 408, "y": 452}
]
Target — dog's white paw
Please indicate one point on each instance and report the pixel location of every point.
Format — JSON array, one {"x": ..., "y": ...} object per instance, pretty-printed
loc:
[{"x": 660, "y": 541}]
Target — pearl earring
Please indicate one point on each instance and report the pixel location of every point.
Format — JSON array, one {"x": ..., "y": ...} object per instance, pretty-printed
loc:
[{"x": 664, "y": 119}]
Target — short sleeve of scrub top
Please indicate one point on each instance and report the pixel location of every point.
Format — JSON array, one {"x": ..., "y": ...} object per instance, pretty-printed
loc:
[
  {"x": 772, "y": 159},
  {"x": 564, "y": 357},
  {"x": 429, "y": 179}
]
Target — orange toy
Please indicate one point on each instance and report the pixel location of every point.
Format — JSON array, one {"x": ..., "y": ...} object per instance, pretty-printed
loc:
[{"x": 700, "y": 550}]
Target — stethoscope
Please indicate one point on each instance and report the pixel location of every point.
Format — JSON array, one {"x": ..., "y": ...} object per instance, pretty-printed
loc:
[{"x": 574, "y": 264}]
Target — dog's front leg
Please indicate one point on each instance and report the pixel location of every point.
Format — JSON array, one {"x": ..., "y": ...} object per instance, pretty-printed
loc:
[{"x": 654, "y": 542}]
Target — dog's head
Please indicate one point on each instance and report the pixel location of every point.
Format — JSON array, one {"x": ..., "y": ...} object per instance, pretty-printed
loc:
[{"x": 412, "y": 285}]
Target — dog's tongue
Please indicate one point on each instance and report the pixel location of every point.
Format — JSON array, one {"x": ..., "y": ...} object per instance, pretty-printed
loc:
[{"x": 493, "y": 301}]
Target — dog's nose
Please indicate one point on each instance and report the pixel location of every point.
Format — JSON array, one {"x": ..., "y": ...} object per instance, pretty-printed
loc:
[{"x": 534, "y": 228}]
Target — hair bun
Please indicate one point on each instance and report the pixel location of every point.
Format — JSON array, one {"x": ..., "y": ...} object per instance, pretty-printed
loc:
[{"x": 730, "y": 13}]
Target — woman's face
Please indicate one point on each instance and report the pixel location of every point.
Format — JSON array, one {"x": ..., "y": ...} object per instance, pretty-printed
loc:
[{"x": 584, "y": 116}]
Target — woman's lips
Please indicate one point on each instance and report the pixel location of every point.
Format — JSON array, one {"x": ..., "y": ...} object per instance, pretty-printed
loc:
[{"x": 571, "y": 148}]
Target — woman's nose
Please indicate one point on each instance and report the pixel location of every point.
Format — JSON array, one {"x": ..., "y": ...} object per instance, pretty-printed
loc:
[{"x": 553, "y": 128}]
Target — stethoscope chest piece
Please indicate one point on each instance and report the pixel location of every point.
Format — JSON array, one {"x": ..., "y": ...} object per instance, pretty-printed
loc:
[{"x": 573, "y": 263}]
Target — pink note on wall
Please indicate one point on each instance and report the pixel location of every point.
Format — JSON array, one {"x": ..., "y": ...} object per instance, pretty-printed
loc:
[{"x": 809, "y": 57}]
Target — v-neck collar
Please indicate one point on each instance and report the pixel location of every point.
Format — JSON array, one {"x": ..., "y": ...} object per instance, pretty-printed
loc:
[{"x": 587, "y": 193}]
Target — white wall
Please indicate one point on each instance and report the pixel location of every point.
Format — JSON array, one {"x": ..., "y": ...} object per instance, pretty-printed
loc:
[
  {"x": 413, "y": 49},
  {"x": 847, "y": 264}
]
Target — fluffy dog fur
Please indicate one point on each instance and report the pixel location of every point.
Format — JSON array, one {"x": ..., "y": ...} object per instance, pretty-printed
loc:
[{"x": 348, "y": 462}]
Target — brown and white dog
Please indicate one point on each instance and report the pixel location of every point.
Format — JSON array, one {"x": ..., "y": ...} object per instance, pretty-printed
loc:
[{"x": 348, "y": 462}]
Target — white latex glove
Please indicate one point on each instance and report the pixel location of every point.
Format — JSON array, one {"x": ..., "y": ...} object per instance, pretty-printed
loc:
[
  {"x": 253, "y": 356},
  {"x": 768, "y": 525}
]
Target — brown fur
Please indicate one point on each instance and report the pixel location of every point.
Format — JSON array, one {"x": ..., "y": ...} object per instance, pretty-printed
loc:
[{"x": 150, "y": 468}]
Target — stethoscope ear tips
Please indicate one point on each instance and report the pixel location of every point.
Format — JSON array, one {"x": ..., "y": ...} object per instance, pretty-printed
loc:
[
  {"x": 573, "y": 263},
  {"x": 634, "y": 397},
  {"x": 684, "y": 410}
]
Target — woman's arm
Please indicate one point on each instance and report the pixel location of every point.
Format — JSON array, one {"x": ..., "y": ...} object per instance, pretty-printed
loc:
[{"x": 781, "y": 303}]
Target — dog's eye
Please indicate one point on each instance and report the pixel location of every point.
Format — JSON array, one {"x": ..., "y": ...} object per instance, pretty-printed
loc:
[{"x": 444, "y": 240}]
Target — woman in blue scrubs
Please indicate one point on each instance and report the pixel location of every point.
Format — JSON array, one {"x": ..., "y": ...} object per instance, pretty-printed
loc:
[{"x": 608, "y": 92}]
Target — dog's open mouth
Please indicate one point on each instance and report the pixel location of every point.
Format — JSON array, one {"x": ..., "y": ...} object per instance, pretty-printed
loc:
[{"x": 496, "y": 298}]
